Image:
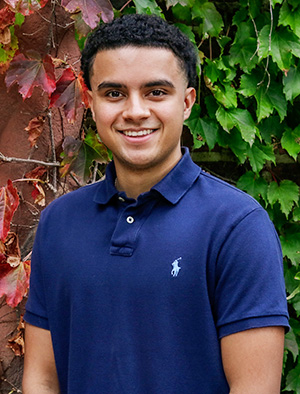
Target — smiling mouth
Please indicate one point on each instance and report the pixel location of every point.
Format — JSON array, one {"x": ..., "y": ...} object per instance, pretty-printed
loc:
[{"x": 140, "y": 133}]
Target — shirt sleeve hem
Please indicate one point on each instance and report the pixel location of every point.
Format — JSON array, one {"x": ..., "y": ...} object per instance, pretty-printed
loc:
[
  {"x": 254, "y": 322},
  {"x": 36, "y": 320}
]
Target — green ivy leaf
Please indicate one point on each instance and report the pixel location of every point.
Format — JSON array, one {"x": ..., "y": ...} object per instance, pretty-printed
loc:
[
  {"x": 211, "y": 106},
  {"x": 223, "y": 64},
  {"x": 241, "y": 118},
  {"x": 294, "y": 3},
  {"x": 296, "y": 214},
  {"x": 223, "y": 41},
  {"x": 290, "y": 344},
  {"x": 202, "y": 129},
  {"x": 258, "y": 154},
  {"x": 288, "y": 17},
  {"x": 264, "y": 105},
  {"x": 243, "y": 49},
  {"x": 97, "y": 151},
  {"x": 172, "y": 3},
  {"x": 235, "y": 142},
  {"x": 209, "y": 130},
  {"x": 254, "y": 185},
  {"x": 182, "y": 14},
  {"x": 271, "y": 127},
  {"x": 240, "y": 16},
  {"x": 254, "y": 7},
  {"x": 287, "y": 194},
  {"x": 225, "y": 119},
  {"x": 187, "y": 30},
  {"x": 296, "y": 304},
  {"x": 291, "y": 142},
  {"x": 274, "y": 2},
  {"x": 3, "y": 55},
  {"x": 294, "y": 293},
  {"x": 289, "y": 277},
  {"x": 225, "y": 94},
  {"x": 276, "y": 215},
  {"x": 212, "y": 20},
  {"x": 284, "y": 44},
  {"x": 249, "y": 84},
  {"x": 291, "y": 247},
  {"x": 148, "y": 7},
  {"x": 19, "y": 19},
  {"x": 211, "y": 71},
  {"x": 293, "y": 380},
  {"x": 194, "y": 125},
  {"x": 291, "y": 83},
  {"x": 269, "y": 98},
  {"x": 80, "y": 155}
]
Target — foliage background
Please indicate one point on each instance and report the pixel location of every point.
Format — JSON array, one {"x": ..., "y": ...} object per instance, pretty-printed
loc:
[{"x": 244, "y": 127}]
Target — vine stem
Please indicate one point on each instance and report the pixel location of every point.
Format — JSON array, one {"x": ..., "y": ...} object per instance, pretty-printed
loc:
[
  {"x": 269, "y": 49},
  {"x": 20, "y": 160},
  {"x": 125, "y": 5},
  {"x": 53, "y": 152},
  {"x": 256, "y": 32},
  {"x": 15, "y": 389}
]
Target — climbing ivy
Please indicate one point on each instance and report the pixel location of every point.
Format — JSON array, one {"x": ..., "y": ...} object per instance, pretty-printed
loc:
[{"x": 248, "y": 104}]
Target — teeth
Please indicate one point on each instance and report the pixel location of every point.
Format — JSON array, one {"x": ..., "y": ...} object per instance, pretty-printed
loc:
[{"x": 137, "y": 133}]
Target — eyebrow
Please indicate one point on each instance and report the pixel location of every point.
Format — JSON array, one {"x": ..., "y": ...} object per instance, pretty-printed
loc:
[
  {"x": 106, "y": 85},
  {"x": 159, "y": 82},
  {"x": 151, "y": 84}
]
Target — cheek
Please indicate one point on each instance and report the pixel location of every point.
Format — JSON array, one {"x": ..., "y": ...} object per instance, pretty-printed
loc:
[
  {"x": 171, "y": 111},
  {"x": 104, "y": 116}
]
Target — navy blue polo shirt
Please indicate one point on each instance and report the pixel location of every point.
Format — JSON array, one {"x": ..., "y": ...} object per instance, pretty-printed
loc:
[{"x": 138, "y": 293}]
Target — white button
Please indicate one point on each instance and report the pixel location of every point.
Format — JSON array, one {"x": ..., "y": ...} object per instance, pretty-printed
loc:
[
  {"x": 130, "y": 219},
  {"x": 121, "y": 199}
]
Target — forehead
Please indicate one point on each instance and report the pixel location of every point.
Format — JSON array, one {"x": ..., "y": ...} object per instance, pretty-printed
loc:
[{"x": 137, "y": 61}]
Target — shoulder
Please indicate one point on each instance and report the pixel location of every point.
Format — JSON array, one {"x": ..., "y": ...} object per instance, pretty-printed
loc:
[
  {"x": 72, "y": 202},
  {"x": 220, "y": 196}
]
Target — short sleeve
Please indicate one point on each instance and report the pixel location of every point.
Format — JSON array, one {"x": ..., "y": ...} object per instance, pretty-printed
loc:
[
  {"x": 36, "y": 310},
  {"x": 250, "y": 289}
]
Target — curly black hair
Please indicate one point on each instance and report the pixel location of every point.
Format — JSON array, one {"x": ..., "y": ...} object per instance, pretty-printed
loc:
[{"x": 144, "y": 31}]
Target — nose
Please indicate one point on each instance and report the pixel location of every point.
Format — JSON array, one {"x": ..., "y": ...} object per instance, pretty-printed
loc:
[{"x": 136, "y": 108}]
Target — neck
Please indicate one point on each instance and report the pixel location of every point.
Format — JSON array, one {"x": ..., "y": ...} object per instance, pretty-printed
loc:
[{"x": 135, "y": 182}]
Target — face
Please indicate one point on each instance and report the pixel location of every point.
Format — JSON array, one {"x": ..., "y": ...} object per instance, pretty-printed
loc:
[{"x": 139, "y": 100}]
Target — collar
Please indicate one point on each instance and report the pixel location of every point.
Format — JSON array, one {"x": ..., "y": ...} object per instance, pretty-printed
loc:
[{"x": 172, "y": 187}]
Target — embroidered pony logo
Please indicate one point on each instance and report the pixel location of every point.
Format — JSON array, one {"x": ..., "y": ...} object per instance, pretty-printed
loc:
[{"x": 176, "y": 268}]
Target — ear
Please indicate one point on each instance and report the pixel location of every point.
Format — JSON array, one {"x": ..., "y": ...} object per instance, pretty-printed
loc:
[
  {"x": 91, "y": 102},
  {"x": 189, "y": 100}
]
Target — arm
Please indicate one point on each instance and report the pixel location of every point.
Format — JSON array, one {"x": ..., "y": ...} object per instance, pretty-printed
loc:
[
  {"x": 252, "y": 360},
  {"x": 40, "y": 376}
]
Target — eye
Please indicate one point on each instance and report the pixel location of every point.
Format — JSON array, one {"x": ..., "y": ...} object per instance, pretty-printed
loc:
[
  {"x": 114, "y": 94},
  {"x": 158, "y": 93}
]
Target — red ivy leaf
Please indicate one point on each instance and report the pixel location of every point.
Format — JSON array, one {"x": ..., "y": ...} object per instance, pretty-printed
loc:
[
  {"x": 14, "y": 282},
  {"x": 79, "y": 156},
  {"x": 30, "y": 72},
  {"x": 26, "y": 7},
  {"x": 70, "y": 94},
  {"x": 35, "y": 129},
  {"x": 81, "y": 27},
  {"x": 90, "y": 10},
  {"x": 7, "y": 17},
  {"x": 2, "y": 252},
  {"x": 5, "y": 36},
  {"x": 9, "y": 201},
  {"x": 17, "y": 342},
  {"x": 38, "y": 194},
  {"x": 36, "y": 173},
  {"x": 12, "y": 250}
]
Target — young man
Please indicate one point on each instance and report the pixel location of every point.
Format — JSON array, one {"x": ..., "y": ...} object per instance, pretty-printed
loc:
[{"x": 161, "y": 279}]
